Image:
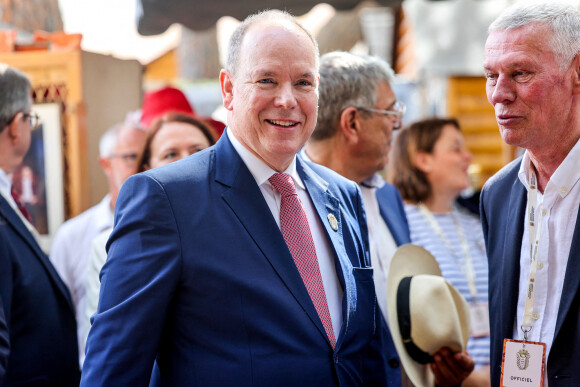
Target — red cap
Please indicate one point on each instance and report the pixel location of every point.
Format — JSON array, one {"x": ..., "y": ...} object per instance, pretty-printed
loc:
[
  {"x": 218, "y": 126},
  {"x": 171, "y": 100},
  {"x": 165, "y": 100}
]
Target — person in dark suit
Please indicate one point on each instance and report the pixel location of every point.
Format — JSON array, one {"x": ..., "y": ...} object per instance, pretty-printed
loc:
[
  {"x": 205, "y": 276},
  {"x": 4, "y": 343},
  {"x": 532, "y": 65},
  {"x": 37, "y": 305},
  {"x": 356, "y": 118}
]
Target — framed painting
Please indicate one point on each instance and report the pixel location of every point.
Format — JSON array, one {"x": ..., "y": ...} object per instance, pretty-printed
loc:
[{"x": 39, "y": 179}]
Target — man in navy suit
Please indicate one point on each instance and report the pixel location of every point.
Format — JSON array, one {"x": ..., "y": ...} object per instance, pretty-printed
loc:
[
  {"x": 199, "y": 278},
  {"x": 4, "y": 343},
  {"x": 357, "y": 114},
  {"x": 37, "y": 306},
  {"x": 532, "y": 65}
]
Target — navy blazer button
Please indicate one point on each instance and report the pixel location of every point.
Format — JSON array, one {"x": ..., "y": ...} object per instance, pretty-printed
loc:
[
  {"x": 336, "y": 360},
  {"x": 393, "y": 363}
]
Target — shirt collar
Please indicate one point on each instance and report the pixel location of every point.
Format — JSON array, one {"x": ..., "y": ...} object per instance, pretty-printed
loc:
[
  {"x": 563, "y": 179},
  {"x": 5, "y": 184},
  {"x": 375, "y": 181},
  {"x": 258, "y": 168}
]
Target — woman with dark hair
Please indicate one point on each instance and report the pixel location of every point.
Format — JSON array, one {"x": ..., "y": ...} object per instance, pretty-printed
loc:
[
  {"x": 174, "y": 136},
  {"x": 430, "y": 164}
]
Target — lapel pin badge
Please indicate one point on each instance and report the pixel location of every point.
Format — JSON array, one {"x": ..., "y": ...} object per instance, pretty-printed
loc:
[{"x": 333, "y": 222}]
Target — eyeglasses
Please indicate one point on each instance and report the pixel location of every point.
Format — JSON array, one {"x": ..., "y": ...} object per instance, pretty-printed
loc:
[
  {"x": 33, "y": 118},
  {"x": 398, "y": 110},
  {"x": 128, "y": 158}
]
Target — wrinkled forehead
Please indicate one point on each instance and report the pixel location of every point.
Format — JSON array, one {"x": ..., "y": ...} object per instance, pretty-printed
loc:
[{"x": 528, "y": 41}]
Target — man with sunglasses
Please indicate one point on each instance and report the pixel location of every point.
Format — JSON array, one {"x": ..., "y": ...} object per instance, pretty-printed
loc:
[
  {"x": 36, "y": 304},
  {"x": 358, "y": 112}
]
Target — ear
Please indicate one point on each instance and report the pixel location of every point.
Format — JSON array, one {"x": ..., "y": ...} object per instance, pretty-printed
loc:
[
  {"x": 576, "y": 74},
  {"x": 423, "y": 161},
  {"x": 15, "y": 129},
  {"x": 227, "y": 86},
  {"x": 349, "y": 124},
  {"x": 105, "y": 163}
]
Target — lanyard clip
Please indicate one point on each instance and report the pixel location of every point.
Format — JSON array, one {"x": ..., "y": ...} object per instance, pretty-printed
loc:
[{"x": 526, "y": 330}]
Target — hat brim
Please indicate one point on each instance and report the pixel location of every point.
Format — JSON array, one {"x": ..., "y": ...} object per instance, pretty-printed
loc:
[{"x": 411, "y": 260}]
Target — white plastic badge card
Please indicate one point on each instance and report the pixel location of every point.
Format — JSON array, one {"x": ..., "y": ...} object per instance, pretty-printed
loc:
[
  {"x": 479, "y": 313},
  {"x": 523, "y": 363}
]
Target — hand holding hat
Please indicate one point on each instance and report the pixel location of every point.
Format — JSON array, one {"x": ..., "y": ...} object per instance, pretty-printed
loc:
[{"x": 426, "y": 313}]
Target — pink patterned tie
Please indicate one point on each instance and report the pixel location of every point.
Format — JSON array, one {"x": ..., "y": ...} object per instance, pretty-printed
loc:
[{"x": 298, "y": 237}]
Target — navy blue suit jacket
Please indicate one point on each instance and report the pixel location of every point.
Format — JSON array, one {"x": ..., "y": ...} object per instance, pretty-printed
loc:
[
  {"x": 503, "y": 206},
  {"x": 199, "y": 279},
  {"x": 38, "y": 310},
  {"x": 393, "y": 213},
  {"x": 4, "y": 343}
]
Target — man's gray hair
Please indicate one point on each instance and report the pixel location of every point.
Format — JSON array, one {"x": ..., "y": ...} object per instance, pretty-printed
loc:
[
  {"x": 109, "y": 139},
  {"x": 14, "y": 94},
  {"x": 347, "y": 80},
  {"x": 564, "y": 20},
  {"x": 235, "y": 43}
]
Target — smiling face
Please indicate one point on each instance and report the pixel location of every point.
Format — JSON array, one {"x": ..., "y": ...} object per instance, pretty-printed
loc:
[
  {"x": 174, "y": 141},
  {"x": 532, "y": 96},
  {"x": 446, "y": 167},
  {"x": 272, "y": 100}
]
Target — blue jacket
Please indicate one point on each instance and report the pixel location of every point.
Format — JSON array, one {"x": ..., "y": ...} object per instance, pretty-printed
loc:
[
  {"x": 4, "y": 343},
  {"x": 199, "y": 279}
]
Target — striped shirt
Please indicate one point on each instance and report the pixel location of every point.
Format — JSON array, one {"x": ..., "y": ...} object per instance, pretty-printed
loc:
[{"x": 423, "y": 235}]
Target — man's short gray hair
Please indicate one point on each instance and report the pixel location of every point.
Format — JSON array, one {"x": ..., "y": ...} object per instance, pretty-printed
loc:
[
  {"x": 235, "y": 42},
  {"x": 14, "y": 94},
  {"x": 109, "y": 140},
  {"x": 347, "y": 80},
  {"x": 564, "y": 20}
]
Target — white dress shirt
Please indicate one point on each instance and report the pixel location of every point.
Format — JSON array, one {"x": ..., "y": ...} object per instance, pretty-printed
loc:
[
  {"x": 97, "y": 258},
  {"x": 559, "y": 209},
  {"x": 262, "y": 172},
  {"x": 381, "y": 242},
  {"x": 70, "y": 256}
]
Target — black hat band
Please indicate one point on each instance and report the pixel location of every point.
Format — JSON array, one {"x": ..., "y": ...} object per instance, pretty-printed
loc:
[{"x": 404, "y": 318}]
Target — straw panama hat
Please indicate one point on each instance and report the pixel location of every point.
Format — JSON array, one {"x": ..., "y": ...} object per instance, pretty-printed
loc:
[{"x": 437, "y": 313}]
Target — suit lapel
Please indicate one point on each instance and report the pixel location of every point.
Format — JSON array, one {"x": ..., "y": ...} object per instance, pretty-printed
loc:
[
  {"x": 245, "y": 199},
  {"x": 571, "y": 279},
  {"x": 514, "y": 232},
  {"x": 396, "y": 228},
  {"x": 327, "y": 204},
  {"x": 19, "y": 227}
]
